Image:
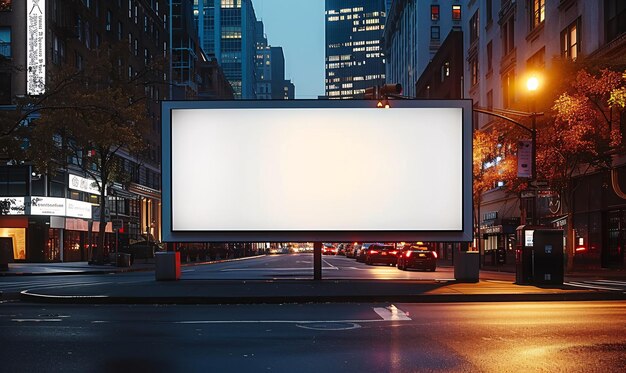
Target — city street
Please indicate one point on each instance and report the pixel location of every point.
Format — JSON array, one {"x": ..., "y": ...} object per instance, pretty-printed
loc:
[
  {"x": 273, "y": 268},
  {"x": 456, "y": 337}
]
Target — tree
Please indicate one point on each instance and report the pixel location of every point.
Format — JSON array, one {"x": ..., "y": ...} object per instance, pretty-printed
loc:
[
  {"x": 584, "y": 134},
  {"x": 88, "y": 119},
  {"x": 493, "y": 162}
]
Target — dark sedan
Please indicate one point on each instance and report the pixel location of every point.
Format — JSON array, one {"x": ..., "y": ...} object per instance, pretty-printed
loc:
[
  {"x": 385, "y": 254},
  {"x": 418, "y": 257}
]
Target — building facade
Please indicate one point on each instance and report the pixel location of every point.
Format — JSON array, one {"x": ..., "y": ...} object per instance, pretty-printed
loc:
[
  {"x": 413, "y": 33},
  {"x": 354, "y": 56},
  {"x": 506, "y": 41},
  {"x": 55, "y": 217}
]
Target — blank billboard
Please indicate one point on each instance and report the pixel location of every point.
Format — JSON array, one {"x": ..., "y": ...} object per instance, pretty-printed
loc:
[{"x": 315, "y": 171}]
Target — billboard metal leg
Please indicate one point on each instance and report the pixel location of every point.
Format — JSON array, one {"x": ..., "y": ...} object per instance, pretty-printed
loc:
[{"x": 317, "y": 261}]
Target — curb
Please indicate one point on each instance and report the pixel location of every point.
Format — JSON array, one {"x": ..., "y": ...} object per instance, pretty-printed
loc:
[{"x": 417, "y": 298}]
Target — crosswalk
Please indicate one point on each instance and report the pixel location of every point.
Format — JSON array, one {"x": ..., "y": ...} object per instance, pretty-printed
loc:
[{"x": 605, "y": 285}]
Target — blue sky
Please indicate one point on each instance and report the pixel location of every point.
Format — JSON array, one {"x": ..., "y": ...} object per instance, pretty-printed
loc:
[{"x": 298, "y": 27}]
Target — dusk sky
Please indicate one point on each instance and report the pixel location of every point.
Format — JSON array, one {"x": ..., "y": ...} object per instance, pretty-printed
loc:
[{"x": 298, "y": 27}]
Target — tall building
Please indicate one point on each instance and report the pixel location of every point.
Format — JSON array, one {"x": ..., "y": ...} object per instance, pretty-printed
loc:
[
  {"x": 193, "y": 74},
  {"x": 413, "y": 33},
  {"x": 354, "y": 56},
  {"x": 227, "y": 32},
  {"x": 45, "y": 37},
  {"x": 504, "y": 42},
  {"x": 271, "y": 83}
]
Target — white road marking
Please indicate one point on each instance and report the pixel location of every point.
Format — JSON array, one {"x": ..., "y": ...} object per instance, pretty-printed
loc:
[
  {"x": 391, "y": 313},
  {"x": 584, "y": 285},
  {"x": 273, "y": 269},
  {"x": 36, "y": 320}
]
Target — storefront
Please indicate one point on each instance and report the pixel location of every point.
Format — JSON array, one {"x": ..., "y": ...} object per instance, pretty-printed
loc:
[
  {"x": 49, "y": 229},
  {"x": 498, "y": 241}
]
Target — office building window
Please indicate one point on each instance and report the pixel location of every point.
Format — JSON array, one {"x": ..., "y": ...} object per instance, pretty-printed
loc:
[
  {"x": 474, "y": 27},
  {"x": 537, "y": 60},
  {"x": 435, "y": 32},
  {"x": 489, "y": 10},
  {"x": 489, "y": 56},
  {"x": 5, "y": 42},
  {"x": 570, "y": 43},
  {"x": 615, "y": 16},
  {"x": 537, "y": 13},
  {"x": 434, "y": 12},
  {"x": 108, "y": 20},
  {"x": 508, "y": 89},
  {"x": 508, "y": 36},
  {"x": 474, "y": 70},
  {"x": 456, "y": 12}
]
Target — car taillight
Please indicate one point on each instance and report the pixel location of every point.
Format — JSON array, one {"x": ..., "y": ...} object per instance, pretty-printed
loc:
[
  {"x": 393, "y": 252},
  {"x": 372, "y": 252},
  {"x": 408, "y": 254},
  {"x": 435, "y": 254}
]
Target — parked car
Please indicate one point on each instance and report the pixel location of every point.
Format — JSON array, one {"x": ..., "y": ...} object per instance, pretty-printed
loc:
[
  {"x": 418, "y": 257},
  {"x": 385, "y": 254},
  {"x": 329, "y": 249}
]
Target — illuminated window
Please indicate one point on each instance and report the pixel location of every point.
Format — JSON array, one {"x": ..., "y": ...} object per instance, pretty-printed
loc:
[
  {"x": 537, "y": 12},
  {"x": 570, "y": 43},
  {"x": 434, "y": 12},
  {"x": 456, "y": 12}
]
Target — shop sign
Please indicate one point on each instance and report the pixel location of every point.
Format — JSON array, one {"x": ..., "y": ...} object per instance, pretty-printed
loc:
[
  {"x": 35, "y": 46},
  {"x": 493, "y": 229},
  {"x": 12, "y": 206},
  {"x": 491, "y": 215},
  {"x": 47, "y": 206},
  {"x": 83, "y": 184},
  {"x": 78, "y": 209}
]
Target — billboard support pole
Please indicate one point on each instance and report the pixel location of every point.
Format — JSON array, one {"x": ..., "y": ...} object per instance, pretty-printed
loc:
[{"x": 317, "y": 261}]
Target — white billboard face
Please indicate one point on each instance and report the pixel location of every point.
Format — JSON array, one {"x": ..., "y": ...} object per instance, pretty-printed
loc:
[
  {"x": 317, "y": 169},
  {"x": 35, "y": 46}
]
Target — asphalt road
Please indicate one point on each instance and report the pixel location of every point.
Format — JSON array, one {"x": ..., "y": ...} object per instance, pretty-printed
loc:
[
  {"x": 456, "y": 337},
  {"x": 300, "y": 266}
]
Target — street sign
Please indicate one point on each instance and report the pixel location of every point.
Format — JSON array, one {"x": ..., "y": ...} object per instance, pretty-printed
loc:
[
  {"x": 117, "y": 224},
  {"x": 538, "y": 184}
]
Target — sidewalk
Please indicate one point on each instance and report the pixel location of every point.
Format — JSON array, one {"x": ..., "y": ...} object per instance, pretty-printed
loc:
[{"x": 493, "y": 286}]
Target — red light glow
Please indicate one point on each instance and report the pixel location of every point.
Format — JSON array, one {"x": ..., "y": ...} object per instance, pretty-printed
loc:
[
  {"x": 408, "y": 253},
  {"x": 372, "y": 252},
  {"x": 579, "y": 249},
  {"x": 435, "y": 254}
]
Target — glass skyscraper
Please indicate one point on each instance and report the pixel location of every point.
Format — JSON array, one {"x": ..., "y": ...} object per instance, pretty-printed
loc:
[
  {"x": 354, "y": 56},
  {"x": 227, "y": 32}
]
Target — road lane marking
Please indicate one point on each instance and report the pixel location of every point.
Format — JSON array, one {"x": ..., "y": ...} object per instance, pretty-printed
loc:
[
  {"x": 391, "y": 313},
  {"x": 273, "y": 269},
  {"x": 36, "y": 320},
  {"x": 584, "y": 285}
]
